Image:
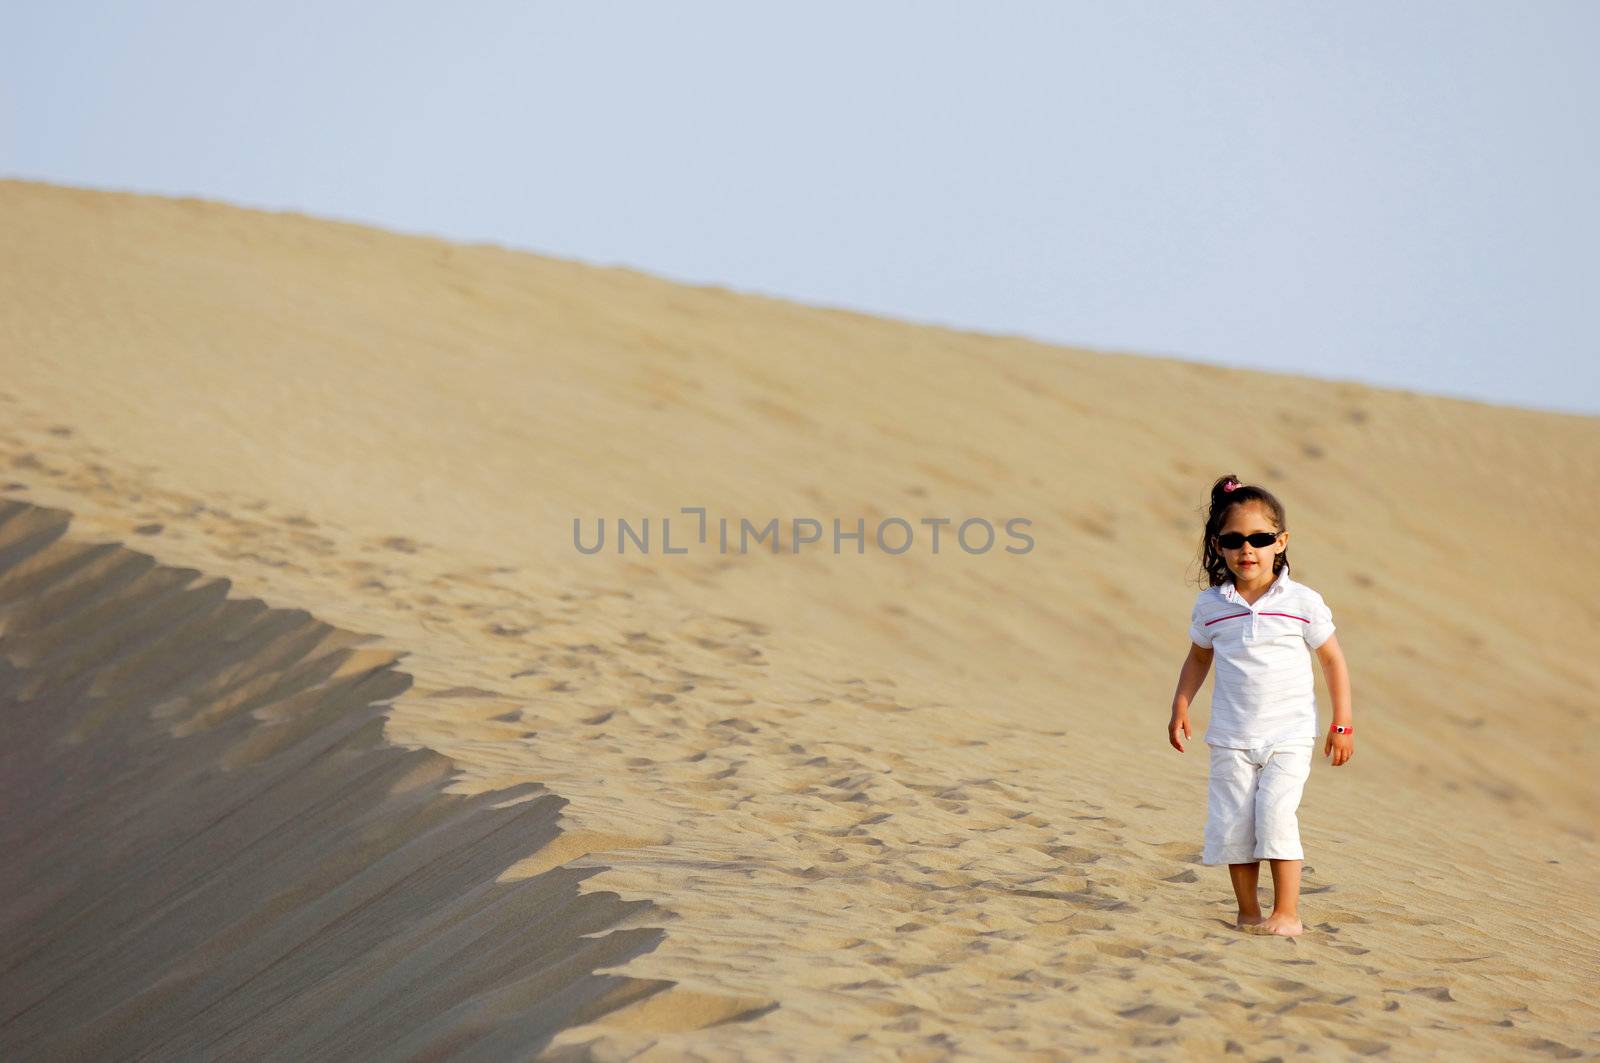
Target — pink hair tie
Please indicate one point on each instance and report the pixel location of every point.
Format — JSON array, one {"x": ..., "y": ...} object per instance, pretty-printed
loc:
[{"x": 1231, "y": 485}]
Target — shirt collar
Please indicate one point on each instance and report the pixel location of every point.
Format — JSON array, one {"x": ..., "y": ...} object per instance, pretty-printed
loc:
[{"x": 1278, "y": 586}]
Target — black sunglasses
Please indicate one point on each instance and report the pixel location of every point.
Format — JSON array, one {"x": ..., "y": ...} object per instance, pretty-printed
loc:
[{"x": 1234, "y": 540}]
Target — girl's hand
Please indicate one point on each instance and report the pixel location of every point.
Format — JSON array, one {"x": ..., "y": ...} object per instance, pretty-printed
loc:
[
  {"x": 1180, "y": 722},
  {"x": 1343, "y": 747}
]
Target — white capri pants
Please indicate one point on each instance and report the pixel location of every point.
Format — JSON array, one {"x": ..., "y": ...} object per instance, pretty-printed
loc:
[{"x": 1252, "y": 800}]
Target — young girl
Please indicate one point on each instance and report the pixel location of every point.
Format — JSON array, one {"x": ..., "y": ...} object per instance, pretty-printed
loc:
[{"x": 1257, "y": 622}]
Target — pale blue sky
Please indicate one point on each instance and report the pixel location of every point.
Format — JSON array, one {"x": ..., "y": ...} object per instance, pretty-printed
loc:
[{"x": 1401, "y": 194}]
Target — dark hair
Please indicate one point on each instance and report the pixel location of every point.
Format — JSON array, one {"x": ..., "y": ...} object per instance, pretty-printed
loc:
[{"x": 1222, "y": 500}]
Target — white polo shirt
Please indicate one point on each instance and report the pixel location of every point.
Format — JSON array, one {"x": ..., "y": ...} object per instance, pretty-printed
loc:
[{"x": 1264, "y": 691}]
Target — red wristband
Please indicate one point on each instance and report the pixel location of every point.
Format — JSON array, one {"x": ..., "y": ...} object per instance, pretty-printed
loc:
[{"x": 1340, "y": 729}]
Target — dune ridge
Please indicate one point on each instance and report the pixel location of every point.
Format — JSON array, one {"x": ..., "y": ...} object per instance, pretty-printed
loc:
[
  {"x": 917, "y": 806},
  {"x": 212, "y": 851}
]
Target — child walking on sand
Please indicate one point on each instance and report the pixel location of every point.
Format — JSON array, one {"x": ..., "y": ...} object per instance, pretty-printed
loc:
[{"x": 1257, "y": 622}]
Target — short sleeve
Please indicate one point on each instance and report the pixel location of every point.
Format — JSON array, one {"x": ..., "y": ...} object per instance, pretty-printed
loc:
[
  {"x": 1199, "y": 634},
  {"x": 1321, "y": 627}
]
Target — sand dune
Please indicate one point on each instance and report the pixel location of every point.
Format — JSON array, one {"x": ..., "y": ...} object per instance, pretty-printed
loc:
[
  {"x": 213, "y": 852},
  {"x": 323, "y": 735}
]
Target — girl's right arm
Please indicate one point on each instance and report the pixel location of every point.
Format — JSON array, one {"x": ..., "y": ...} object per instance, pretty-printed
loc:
[{"x": 1190, "y": 678}]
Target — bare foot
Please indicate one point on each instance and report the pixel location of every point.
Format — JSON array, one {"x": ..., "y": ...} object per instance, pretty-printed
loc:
[
  {"x": 1250, "y": 920},
  {"x": 1287, "y": 925}
]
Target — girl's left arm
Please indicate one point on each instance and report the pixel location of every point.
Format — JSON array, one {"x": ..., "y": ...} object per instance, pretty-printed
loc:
[{"x": 1334, "y": 670}]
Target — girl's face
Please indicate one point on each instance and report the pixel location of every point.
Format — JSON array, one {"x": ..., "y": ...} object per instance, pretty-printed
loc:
[{"x": 1249, "y": 563}]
